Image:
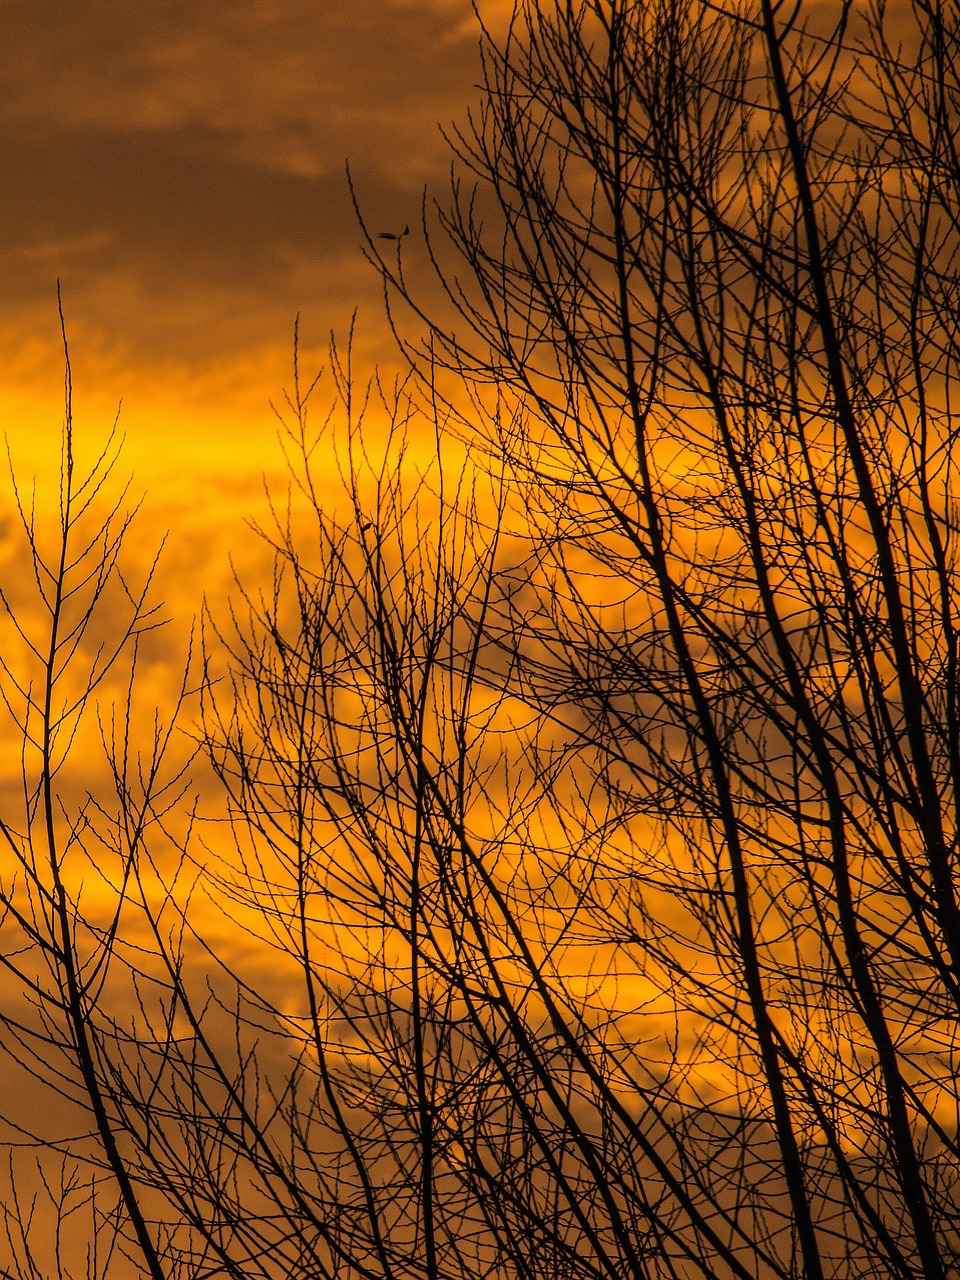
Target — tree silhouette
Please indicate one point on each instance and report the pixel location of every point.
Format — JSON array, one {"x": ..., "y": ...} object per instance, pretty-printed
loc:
[
  {"x": 703, "y": 291},
  {"x": 592, "y": 782}
]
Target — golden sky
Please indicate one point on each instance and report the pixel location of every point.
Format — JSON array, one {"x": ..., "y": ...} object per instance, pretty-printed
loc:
[{"x": 179, "y": 166}]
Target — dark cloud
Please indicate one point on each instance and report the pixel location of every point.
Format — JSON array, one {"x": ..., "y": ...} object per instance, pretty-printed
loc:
[
  {"x": 173, "y": 213},
  {"x": 292, "y": 80},
  {"x": 181, "y": 165}
]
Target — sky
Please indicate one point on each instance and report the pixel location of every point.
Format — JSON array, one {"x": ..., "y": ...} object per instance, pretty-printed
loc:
[{"x": 180, "y": 168}]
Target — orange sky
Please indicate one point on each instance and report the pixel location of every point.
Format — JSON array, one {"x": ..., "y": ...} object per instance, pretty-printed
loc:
[{"x": 179, "y": 166}]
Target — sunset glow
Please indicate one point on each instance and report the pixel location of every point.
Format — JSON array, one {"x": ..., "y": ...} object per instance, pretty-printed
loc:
[{"x": 480, "y": 640}]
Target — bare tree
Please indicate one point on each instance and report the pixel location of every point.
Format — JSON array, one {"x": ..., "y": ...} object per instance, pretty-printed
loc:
[
  {"x": 74, "y": 859},
  {"x": 706, "y": 296},
  {"x": 592, "y": 757}
]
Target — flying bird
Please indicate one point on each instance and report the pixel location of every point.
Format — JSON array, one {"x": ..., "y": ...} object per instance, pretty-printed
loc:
[{"x": 389, "y": 235}]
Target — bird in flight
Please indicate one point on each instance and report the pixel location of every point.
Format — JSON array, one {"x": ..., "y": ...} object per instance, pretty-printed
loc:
[{"x": 389, "y": 235}]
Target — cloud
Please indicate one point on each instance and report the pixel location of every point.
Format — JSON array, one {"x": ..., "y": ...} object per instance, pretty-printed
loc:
[
  {"x": 166, "y": 156},
  {"x": 295, "y": 86},
  {"x": 180, "y": 168}
]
